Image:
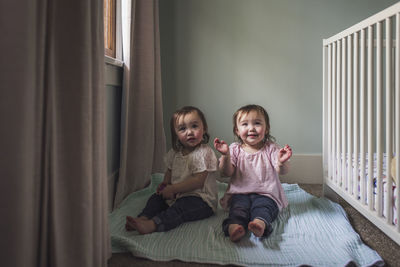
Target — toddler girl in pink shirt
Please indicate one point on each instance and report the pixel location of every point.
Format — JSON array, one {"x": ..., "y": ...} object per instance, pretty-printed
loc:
[{"x": 254, "y": 195}]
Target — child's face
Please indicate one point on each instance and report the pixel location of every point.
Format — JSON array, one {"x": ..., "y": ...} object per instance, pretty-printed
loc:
[
  {"x": 189, "y": 129},
  {"x": 251, "y": 128}
]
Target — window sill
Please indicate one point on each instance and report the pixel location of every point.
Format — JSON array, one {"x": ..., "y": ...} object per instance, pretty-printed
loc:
[
  {"x": 113, "y": 71},
  {"x": 113, "y": 61}
]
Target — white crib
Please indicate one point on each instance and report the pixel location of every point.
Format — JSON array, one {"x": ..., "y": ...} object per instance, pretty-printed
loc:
[{"x": 361, "y": 127}]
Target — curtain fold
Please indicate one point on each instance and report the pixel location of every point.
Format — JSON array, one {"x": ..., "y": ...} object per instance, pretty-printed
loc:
[
  {"x": 143, "y": 138},
  {"x": 52, "y": 139}
]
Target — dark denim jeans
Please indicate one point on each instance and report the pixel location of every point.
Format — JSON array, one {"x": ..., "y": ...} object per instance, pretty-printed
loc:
[
  {"x": 184, "y": 209},
  {"x": 246, "y": 207}
]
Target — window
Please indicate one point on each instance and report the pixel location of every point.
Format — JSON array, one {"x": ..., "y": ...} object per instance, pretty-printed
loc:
[{"x": 109, "y": 27}]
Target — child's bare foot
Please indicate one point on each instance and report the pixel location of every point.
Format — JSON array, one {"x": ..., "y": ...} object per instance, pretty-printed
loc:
[
  {"x": 129, "y": 225},
  {"x": 143, "y": 226},
  {"x": 257, "y": 227},
  {"x": 236, "y": 232}
]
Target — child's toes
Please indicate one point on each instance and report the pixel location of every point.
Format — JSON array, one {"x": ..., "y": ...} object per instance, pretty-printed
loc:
[{"x": 257, "y": 228}]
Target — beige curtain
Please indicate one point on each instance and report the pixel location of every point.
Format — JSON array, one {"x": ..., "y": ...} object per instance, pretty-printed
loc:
[
  {"x": 52, "y": 139},
  {"x": 143, "y": 138}
]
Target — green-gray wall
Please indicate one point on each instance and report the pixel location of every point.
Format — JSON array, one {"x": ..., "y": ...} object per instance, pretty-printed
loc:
[
  {"x": 113, "y": 87},
  {"x": 221, "y": 54}
]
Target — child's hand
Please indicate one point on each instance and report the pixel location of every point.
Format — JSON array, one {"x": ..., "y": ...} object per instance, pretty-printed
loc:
[
  {"x": 221, "y": 146},
  {"x": 168, "y": 192},
  {"x": 160, "y": 188},
  {"x": 284, "y": 154}
]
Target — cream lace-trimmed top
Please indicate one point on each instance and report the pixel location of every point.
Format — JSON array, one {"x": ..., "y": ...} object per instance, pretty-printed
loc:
[{"x": 183, "y": 166}]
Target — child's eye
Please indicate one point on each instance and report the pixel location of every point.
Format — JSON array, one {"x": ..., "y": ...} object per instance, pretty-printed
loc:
[
  {"x": 181, "y": 129},
  {"x": 195, "y": 126},
  {"x": 244, "y": 124}
]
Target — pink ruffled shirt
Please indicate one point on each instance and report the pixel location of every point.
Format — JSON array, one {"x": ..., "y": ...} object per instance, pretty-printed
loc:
[{"x": 255, "y": 173}]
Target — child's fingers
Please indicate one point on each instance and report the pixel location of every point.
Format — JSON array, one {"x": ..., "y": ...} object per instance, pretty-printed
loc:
[
  {"x": 217, "y": 141},
  {"x": 221, "y": 142},
  {"x": 286, "y": 149}
]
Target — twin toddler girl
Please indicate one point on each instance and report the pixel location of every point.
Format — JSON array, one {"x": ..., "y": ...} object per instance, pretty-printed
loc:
[{"x": 189, "y": 190}]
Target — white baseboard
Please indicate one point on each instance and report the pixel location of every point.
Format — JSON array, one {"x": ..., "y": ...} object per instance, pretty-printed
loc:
[{"x": 304, "y": 168}]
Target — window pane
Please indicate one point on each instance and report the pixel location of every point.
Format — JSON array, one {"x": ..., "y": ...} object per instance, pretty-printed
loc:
[{"x": 109, "y": 27}]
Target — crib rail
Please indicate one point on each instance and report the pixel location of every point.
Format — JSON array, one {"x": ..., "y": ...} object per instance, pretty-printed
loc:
[{"x": 361, "y": 105}]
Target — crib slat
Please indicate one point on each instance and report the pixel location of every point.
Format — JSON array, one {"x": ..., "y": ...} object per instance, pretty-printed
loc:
[
  {"x": 362, "y": 117},
  {"x": 379, "y": 125},
  {"x": 338, "y": 111},
  {"x": 389, "y": 143},
  {"x": 397, "y": 114},
  {"x": 343, "y": 118},
  {"x": 328, "y": 50},
  {"x": 334, "y": 154},
  {"x": 356, "y": 116},
  {"x": 349, "y": 183},
  {"x": 370, "y": 109}
]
